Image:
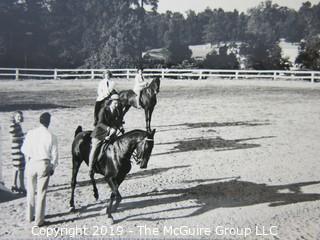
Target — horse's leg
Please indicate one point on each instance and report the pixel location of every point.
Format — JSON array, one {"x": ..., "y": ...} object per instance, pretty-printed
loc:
[
  {"x": 149, "y": 119},
  {"x": 118, "y": 197},
  {"x": 95, "y": 190},
  {"x": 114, "y": 196},
  {"x": 146, "y": 113},
  {"x": 76, "y": 162}
]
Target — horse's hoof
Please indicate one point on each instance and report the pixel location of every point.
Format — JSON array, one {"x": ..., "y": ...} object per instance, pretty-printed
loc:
[
  {"x": 110, "y": 221},
  {"x": 102, "y": 212},
  {"x": 72, "y": 209},
  {"x": 96, "y": 196}
]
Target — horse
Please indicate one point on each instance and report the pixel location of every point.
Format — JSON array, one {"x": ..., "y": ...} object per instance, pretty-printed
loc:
[
  {"x": 148, "y": 100},
  {"x": 113, "y": 161}
]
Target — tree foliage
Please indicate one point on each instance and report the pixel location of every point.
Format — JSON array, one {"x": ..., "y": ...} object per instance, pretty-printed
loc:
[
  {"x": 309, "y": 54},
  {"x": 221, "y": 60},
  {"x": 114, "y": 33},
  {"x": 174, "y": 41}
]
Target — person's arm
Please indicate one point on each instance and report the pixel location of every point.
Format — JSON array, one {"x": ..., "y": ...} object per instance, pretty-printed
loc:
[
  {"x": 25, "y": 148},
  {"x": 111, "y": 86},
  {"x": 101, "y": 115},
  {"x": 12, "y": 129},
  {"x": 54, "y": 152}
]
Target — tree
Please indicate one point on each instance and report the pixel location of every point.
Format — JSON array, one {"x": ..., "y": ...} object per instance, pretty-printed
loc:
[
  {"x": 290, "y": 33},
  {"x": 23, "y": 36},
  {"x": 68, "y": 26},
  {"x": 310, "y": 19},
  {"x": 222, "y": 27},
  {"x": 174, "y": 42},
  {"x": 309, "y": 54},
  {"x": 9, "y": 25},
  {"x": 262, "y": 54},
  {"x": 193, "y": 29},
  {"x": 221, "y": 60}
]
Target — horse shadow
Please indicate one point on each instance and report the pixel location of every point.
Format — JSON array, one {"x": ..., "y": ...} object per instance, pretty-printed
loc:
[
  {"x": 217, "y": 144},
  {"x": 172, "y": 127},
  {"x": 210, "y": 196},
  {"x": 207, "y": 195},
  {"x": 135, "y": 175}
]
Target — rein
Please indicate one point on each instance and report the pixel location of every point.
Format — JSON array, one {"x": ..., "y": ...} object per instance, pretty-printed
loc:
[{"x": 134, "y": 154}]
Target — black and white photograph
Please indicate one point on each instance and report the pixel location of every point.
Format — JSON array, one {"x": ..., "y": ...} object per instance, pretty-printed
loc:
[{"x": 160, "y": 119}]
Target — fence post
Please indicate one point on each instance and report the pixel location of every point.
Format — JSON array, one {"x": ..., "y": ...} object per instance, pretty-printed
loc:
[
  {"x": 92, "y": 74},
  {"x": 274, "y": 75},
  {"x": 128, "y": 73},
  {"x": 292, "y": 76},
  {"x": 17, "y": 74},
  {"x": 55, "y": 74},
  {"x": 312, "y": 77},
  {"x": 200, "y": 75},
  {"x": 162, "y": 73},
  {"x": 237, "y": 75}
]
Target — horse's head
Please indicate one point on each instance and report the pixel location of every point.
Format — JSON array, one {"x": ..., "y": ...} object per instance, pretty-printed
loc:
[
  {"x": 155, "y": 85},
  {"x": 144, "y": 149}
]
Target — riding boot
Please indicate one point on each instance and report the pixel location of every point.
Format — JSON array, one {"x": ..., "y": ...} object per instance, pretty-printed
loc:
[{"x": 92, "y": 155}]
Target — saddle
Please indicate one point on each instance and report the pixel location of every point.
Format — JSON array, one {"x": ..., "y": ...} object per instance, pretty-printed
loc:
[{"x": 102, "y": 147}]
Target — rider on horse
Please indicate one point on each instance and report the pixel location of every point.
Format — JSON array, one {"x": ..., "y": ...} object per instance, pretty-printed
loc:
[
  {"x": 109, "y": 121},
  {"x": 139, "y": 84},
  {"x": 104, "y": 91}
]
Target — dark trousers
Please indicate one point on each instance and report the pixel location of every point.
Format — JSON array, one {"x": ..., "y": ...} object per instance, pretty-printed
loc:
[{"x": 97, "y": 108}]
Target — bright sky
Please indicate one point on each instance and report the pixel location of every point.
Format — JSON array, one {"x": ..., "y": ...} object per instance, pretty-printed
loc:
[{"x": 228, "y": 5}]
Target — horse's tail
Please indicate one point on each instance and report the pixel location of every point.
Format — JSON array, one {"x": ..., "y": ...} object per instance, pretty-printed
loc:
[{"x": 78, "y": 130}]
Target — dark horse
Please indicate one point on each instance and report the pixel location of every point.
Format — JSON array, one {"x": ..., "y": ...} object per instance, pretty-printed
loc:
[
  {"x": 113, "y": 161},
  {"x": 148, "y": 100}
]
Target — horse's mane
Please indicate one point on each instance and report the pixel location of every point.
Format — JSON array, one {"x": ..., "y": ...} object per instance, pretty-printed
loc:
[
  {"x": 155, "y": 81},
  {"x": 135, "y": 131},
  {"x": 154, "y": 84}
]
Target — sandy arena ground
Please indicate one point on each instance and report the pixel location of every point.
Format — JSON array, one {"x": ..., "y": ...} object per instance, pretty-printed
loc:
[{"x": 228, "y": 155}]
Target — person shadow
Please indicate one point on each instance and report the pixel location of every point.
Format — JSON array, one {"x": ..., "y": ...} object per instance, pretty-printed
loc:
[{"x": 206, "y": 195}]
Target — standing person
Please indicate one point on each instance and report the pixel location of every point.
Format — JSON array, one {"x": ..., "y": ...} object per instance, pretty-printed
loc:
[
  {"x": 41, "y": 151},
  {"x": 109, "y": 121},
  {"x": 139, "y": 84},
  {"x": 17, "y": 156},
  {"x": 105, "y": 89},
  {"x": 1, "y": 180}
]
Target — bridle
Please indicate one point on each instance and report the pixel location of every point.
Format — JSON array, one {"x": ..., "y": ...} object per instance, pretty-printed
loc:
[{"x": 137, "y": 159}]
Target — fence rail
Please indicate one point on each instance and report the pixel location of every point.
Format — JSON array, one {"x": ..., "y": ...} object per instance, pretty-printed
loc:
[{"x": 26, "y": 73}]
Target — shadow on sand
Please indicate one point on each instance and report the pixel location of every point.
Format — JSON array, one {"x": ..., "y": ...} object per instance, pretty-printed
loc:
[
  {"x": 173, "y": 127},
  {"x": 217, "y": 144},
  {"x": 207, "y": 195},
  {"x": 6, "y": 195},
  {"x": 30, "y": 106},
  {"x": 130, "y": 176}
]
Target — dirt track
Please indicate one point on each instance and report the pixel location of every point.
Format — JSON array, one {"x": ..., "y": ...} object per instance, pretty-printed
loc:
[{"x": 229, "y": 154}]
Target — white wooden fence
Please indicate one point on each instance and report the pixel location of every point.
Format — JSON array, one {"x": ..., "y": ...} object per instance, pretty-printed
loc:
[{"x": 26, "y": 73}]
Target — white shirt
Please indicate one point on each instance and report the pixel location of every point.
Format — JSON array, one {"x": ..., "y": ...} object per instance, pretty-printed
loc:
[
  {"x": 104, "y": 89},
  {"x": 1, "y": 181},
  {"x": 139, "y": 83},
  {"x": 41, "y": 144}
]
